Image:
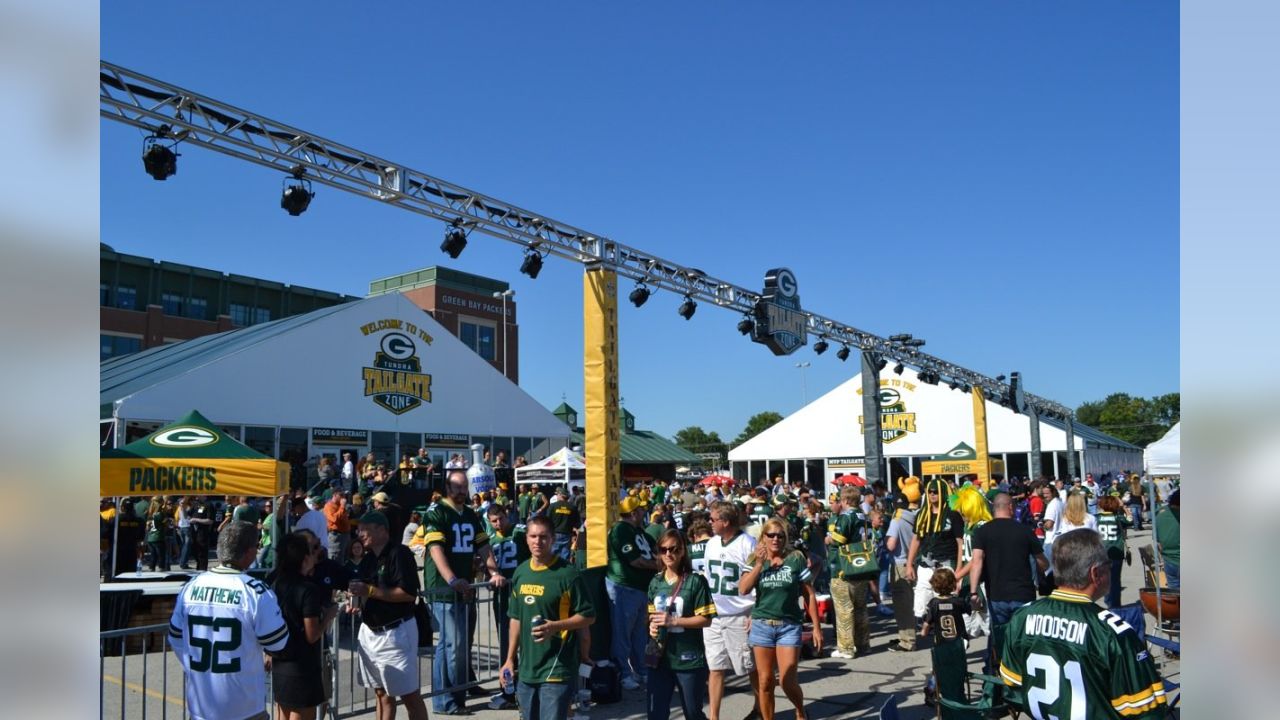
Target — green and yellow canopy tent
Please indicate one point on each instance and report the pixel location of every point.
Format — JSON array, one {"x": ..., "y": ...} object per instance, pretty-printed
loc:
[
  {"x": 190, "y": 456},
  {"x": 959, "y": 460}
]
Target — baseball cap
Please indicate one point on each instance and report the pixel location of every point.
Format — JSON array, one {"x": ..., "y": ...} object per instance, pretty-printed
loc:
[
  {"x": 380, "y": 497},
  {"x": 373, "y": 517},
  {"x": 629, "y": 505},
  {"x": 782, "y": 499}
]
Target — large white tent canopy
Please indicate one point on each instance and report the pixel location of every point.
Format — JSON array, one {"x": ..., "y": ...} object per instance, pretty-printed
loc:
[
  {"x": 380, "y": 364},
  {"x": 922, "y": 420},
  {"x": 1164, "y": 456}
]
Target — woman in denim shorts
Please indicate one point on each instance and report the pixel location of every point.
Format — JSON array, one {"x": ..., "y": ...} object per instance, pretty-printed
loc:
[{"x": 779, "y": 576}]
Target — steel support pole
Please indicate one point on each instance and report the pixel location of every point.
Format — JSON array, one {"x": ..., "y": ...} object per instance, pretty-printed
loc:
[
  {"x": 1071, "y": 448},
  {"x": 873, "y": 450},
  {"x": 1035, "y": 469}
]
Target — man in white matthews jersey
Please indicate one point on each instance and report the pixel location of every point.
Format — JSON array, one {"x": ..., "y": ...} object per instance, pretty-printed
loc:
[
  {"x": 727, "y": 558},
  {"x": 223, "y": 621}
]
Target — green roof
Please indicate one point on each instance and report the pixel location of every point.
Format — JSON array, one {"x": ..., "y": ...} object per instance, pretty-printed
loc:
[{"x": 642, "y": 446}]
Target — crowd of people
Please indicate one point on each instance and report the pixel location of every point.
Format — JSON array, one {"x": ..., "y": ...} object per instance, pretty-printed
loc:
[{"x": 701, "y": 583}]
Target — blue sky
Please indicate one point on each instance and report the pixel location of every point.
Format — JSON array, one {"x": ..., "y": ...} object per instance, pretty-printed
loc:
[{"x": 998, "y": 178}]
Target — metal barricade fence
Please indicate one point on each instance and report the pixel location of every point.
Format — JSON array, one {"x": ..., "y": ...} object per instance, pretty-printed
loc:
[
  {"x": 481, "y": 656},
  {"x": 139, "y": 677}
]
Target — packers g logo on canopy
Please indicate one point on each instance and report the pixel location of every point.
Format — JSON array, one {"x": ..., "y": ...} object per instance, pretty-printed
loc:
[{"x": 185, "y": 436}]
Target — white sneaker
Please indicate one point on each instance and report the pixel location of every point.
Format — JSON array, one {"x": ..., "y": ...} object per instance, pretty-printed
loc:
[
  {"x": 630, "y": 683},
  {"x": 841, "y": 654}
]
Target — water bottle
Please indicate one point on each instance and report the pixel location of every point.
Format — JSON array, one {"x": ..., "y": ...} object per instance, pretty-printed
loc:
[
  {"x": 480, "y": 476},
  {"x": 508, "y": 682},
  {"x": 138, "y": 568}
]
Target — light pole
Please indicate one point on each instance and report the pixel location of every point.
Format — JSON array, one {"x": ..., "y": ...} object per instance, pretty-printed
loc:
[
  {"x": 804, "y": 390},
  {"x": 504, "y": 295}
]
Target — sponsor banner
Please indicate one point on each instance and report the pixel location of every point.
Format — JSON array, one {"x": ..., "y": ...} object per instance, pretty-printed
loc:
[
  {"x": 600, "y": 380},
  {"x": 192, "y": 476},
  {"x": 847, "y": 462},
  {"x": 339, "y": 436}
]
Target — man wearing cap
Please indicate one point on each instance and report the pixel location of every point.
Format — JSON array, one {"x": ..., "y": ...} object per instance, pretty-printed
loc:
[
  {"x": 394, "y": 513},
  {"x": 564, "y": 518},
  {"x": 759, "y": 511},
  {"x": 1168, "y": 533},
  {"x": 454, "y": 537},
  {"x": 898, "y": 542},
  {"x": 387, "y": 642},
  {"x": 631, "y": 567}
]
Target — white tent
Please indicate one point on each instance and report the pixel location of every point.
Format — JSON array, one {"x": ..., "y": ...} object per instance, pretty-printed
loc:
[
  {"x": 377, "y": 365},
  {"x": 562, "y": 466},
  {"x": 1164, "y": 456},
  {"x": 920, "y": 421}
]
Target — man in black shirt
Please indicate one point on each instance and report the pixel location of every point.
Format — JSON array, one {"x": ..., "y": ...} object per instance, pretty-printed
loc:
[
  {"x": 938, "y": 542},
  {"x": 1003, "y": 553},
  {"x": 564, "y": 518},
  {"x": 388, "y": 638}
]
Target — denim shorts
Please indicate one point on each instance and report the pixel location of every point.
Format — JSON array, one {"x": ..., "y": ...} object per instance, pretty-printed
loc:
[{"x": 765, "y": 634}]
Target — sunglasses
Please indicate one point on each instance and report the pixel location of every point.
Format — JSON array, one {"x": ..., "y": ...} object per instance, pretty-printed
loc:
[
  {"x": 669, "y": 550},
  {"x": 773, "y": 536}
]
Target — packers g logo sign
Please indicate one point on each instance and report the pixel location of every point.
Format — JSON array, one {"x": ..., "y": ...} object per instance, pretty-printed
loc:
[
  {"x": 395, "y": 379},
  {"x": 895, "y": 421},
  {"x": 859, "y": 561},
  {"x": 185, "y": 436}
]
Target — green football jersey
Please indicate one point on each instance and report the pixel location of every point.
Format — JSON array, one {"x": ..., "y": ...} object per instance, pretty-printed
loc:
[
  {"x": 1065, "y": 657},
  {"x": 697, "y": 556},
  {"x": 461, "y": 534},
  {"x": 555, "y": 592},
  {"x": 1111, "y": 526},
  {"x": 509, "y": 550},
  {"x": 627, "y": 543},
  {"x": 683, "y": 649},
  {"x": 759, "y": 513},
  {"x": 778, "y": 590}
]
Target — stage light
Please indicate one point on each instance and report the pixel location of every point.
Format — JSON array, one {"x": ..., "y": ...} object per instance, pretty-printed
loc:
[
  {"x": 158, "y": 159},
  {"x": 881, "y": 363},
  {"x": 297, "y": 193},
  {"x": 954, "y": 385},
  {"x": 532, "y": 263},
  {"x": 455, "y": 241},
  {"x": 900, "y": 338},
  {"x": 687, "y": 308},
  {"x": 640, "y": 295},
  {"x": 746, "y": 325},
  {"x": 999, "y": 378},
  {"x": 843, "y": 353},
  {"x": 917, "y": 343},
  {"x": 897, "y": 369},
  {"x": 820, "y": 346}
]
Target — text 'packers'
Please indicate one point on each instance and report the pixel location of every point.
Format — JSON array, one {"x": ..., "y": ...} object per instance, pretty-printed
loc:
[
  {"x": 527, "y": 589},
  {"x": 173, "y": 479}
]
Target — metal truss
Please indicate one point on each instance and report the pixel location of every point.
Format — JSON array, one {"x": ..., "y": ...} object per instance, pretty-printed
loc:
[{"x": 182, "y": 116}]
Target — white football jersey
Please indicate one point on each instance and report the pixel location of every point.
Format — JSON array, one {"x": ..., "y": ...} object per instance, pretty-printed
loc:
[
  {"x": 725, "y": 565},
  {"x": 222, "y": 623}
]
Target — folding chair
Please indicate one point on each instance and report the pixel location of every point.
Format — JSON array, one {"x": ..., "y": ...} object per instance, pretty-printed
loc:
[
  {"x": 964, "y": 695},
  {"x": 1154, "y": 575}
]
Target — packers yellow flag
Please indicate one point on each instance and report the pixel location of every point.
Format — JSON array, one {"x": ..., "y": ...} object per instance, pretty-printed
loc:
[
  {"x": 600, "y": 381},
  {"x": 980, "y": 439}
]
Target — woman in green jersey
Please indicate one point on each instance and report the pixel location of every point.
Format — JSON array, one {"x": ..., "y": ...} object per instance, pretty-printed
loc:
[
  {"x": 779, "y": 576},
  {"x": 680, "y": 606},
  {"x": 1113, "y": 518}
]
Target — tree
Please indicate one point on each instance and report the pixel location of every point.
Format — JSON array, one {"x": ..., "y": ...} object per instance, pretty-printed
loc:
[
  {"x": 757, "y": 424},
  {"x": 696, "y": 440},
  {"x": 1137, "y": 420}
]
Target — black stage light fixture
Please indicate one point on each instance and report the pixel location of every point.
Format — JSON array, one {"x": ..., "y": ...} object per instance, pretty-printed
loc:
[
  {"x": 455, "y": 241},
  {"x": 928, "y": 377},
  {"x": 687, "y": 308},
  {"x": 999, "y": 378},
  {"x": 746, "y": 325},
  {"x": 158, "y": 159},
  {"x": 532, "y": 263},
  {"x": 297, "y": 193},
  {"x": 843, "y": 353},
  {"x": 820, "y": 346},
  {"x": 640, "y": 295},
  {"x": 880, "y": 364},
  {"x": 917, "y": 343},
  {"x": 965, "y": 387},
  {"x": 954, "y": 385},
  {"x": 900, "y": 338},
  {"x": 897, "y": 369}
]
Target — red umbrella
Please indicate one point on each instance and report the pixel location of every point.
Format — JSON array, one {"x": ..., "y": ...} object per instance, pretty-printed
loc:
[
  {"x": 717, "y": 480},
  {"x": 851, "y": 479}
]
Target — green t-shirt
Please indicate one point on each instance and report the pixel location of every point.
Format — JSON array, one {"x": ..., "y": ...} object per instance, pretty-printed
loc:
[
  {"x": 627, "y": 543},
  {"x": 1066, "y": 657},
  {"x": 564, "y": 517},
  {"x": 556, "y": 592},
  {"x": 245, "y": 513},
  {"x": 1168, "y": 532},
  {"x": 659, "y": 492},
  {"x": 157, "y": 525},
  {"x": 1111, "y": 526},
  {"x": 522, "y": 504},
  {"x": 843, "y": 529},
  {"x": 697, "y": 556},
  {"x": 778, "y": 590},
  {"x": 509, "y": 550},
  {"x": 461, "y": 534},
  {"x": 684, "y": 649}
]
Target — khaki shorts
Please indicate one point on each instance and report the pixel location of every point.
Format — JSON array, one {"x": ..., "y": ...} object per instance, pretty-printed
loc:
[{"x": 726, "y": 644}]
